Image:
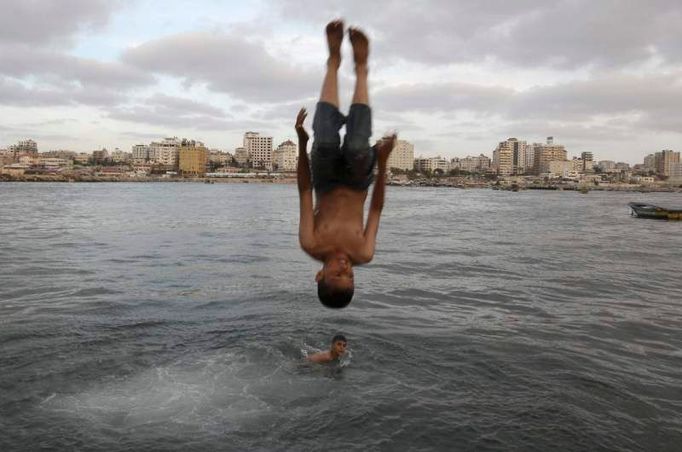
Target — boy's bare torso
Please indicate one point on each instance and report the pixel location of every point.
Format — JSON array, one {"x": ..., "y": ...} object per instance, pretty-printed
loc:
[{"x": 339, "y": 223}]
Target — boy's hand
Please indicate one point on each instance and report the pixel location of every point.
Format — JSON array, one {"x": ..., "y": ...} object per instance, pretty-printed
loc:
[
  {"x": 385, "y": 147},
  {"x": 300, "y": 130}
]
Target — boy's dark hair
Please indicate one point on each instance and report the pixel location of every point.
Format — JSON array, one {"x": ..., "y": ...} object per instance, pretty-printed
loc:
[
  {"x": 339, "y": 337},
  {"x": 333, "y": 298}
]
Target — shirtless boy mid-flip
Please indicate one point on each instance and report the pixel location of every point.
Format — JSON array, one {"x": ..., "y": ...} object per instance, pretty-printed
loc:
[{"x": 334, "y": 232}]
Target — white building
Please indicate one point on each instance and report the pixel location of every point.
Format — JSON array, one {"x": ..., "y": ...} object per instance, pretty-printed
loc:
[
  {"x": 285, "y": 157},
  {"x": 119, "y": 156},
  {"x": 431, "y": 164},
  {"x": 165, "y": 152},
  {"x": 402, "y": 156},
  {"x": 140, "y": 154},
  {"x": 473, "y": 164},
  {"x": 259, "y": 150}
]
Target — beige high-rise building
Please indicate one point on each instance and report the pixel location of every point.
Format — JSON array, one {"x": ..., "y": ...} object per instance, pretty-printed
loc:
[
  {"x": 545, "y": 153},
  {"x": 140, "y": 154},
  {"x": 511, "y": 152},
  {"x": 259, "y": 150},
  {"x": 402, "y": 156},
  {"x": 285, "y": 157},
  {"x": 503, "y": 158},
  {"x": 165, "y": 152},
  {"x": 664, "y": 161},
  {"x": 192, "y": 158}
]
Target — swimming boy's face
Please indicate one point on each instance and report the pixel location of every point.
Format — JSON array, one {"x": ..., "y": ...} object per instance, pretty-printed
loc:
[{"x": 339, "y": 347}]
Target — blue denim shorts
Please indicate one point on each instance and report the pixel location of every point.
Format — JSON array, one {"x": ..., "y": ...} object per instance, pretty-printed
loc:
[{"x": 350, "y": 164}]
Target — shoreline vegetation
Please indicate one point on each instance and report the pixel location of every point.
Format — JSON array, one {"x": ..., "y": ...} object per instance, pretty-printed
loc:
[{"x": 444, "y": 182}]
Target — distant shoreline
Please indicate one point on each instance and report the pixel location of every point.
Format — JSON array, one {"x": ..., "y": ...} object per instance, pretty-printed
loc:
[
  {"x": 292, "y": 180},
  {"x": 99, "y": 179}
]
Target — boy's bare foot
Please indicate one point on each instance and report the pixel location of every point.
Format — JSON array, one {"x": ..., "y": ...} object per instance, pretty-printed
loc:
[
  {"x": 334, "y": 38},
  {"x": 360, "y": 47}
]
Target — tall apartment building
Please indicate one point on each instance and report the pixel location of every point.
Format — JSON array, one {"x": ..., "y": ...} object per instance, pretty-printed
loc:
[
  {"x": 402, "y": 156},
  {"x": 259, "y": 150},
  {"x": 140, "y": 154},
  {"x": 545, "y": 153},
  {"x": 192, "y": 158},
  {"x": 285, "y": 157},
  {"x": 518, "y": 155},
  {"x": 664, "y": 161},
  {"x": 165, "y": 152},
  {"x": 503, "y": 157},
  {"x": 650, "y": 162}
]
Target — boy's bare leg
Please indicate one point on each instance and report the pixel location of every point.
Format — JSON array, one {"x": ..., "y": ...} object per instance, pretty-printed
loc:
[
  {"x": 360, "y": 54},
  {"x": 330, "y": 86}
]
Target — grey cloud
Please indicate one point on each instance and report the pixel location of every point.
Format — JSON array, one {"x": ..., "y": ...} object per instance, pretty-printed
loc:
[
  {"x": 650, "y": 97},
  {"x": 559, "y": 33},
  {"x": 174, "y": 112},
  {"x": 226, "y": 63},
  {"x": 536, "y": 130},
  {"x": 44, "y": 21},
  {"x": 184, "y": 106},
  {"x": 16, "y": 94},
  {"x": 439, "y": 97},
  {"x": 658, "y": 94},
  {"x": 19, "y": 60}
]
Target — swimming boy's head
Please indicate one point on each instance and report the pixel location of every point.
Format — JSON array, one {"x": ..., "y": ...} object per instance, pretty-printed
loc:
[
  {"x": 338, "y": 346},
  {"x": 335, "y": 283}
]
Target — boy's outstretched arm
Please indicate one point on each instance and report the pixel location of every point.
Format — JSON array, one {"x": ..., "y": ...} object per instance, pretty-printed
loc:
[
  {"x": 306, "y": 236},
  {"x": 384, "y": 148}
]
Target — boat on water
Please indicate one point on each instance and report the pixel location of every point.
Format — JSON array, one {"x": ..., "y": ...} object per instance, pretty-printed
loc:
[{"x": 643, "y": 210}]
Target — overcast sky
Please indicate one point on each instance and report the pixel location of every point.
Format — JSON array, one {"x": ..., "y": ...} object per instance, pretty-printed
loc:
[{"x": 453, "y": 77}]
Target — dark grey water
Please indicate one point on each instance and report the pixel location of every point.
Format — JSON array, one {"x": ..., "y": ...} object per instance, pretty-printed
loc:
[{"x": 175, "y": 317}]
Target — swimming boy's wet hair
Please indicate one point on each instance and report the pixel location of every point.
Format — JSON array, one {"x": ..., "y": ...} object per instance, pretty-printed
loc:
[
  {"x": 339, "y": 337},
  {"x": 333, "y": 298}
]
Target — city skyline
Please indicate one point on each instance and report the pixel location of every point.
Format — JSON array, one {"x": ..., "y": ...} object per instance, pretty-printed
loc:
[
  {"x": 234, "y": 151},
  {"x": 83, "y": 75}
]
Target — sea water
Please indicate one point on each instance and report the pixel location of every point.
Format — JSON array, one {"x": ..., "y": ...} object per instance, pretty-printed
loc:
[{"x": 177, "y": 317}]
